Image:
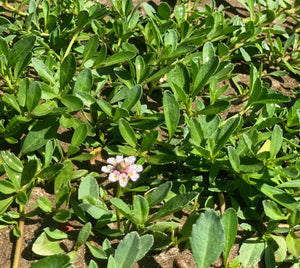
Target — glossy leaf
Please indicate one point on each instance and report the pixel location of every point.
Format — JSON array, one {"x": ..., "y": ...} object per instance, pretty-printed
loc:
[
  {"x": 44, "y": 246},
  {"x": 33, "y": 95}
]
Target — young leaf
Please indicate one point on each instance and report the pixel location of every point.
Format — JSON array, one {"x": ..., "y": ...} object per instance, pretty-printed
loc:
[
  {"x": 127, "y": 132},
  {"x": 230, "y": 224},
  {"x": 276, "y": 141},
  {"x": 93, "y": 264},
  {"x": 67, "y": 70},
  {"x": 139, "y": 68},
  {"x": 127, "y": 251},
  {"x": 207, "y": 239},
  {"x": 171, "y": 112},
  {"x": 140, "y": 209}
]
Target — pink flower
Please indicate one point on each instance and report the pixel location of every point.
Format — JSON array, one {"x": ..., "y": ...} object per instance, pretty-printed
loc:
[{"x": 122, "y": 169}]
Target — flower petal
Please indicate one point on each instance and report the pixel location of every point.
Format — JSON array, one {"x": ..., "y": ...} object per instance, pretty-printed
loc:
[
  {"x": 114, "y": 176},
  {"x": 107, "y": 169},
  {"x": 130, "y": 160},
  {"x": 123, "y": 179}
]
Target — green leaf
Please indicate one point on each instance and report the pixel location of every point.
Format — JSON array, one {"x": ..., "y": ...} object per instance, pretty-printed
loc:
[
  {"x": 281, "y": 251},
  {"x": 55, "y": 233},
  {"x": 54, "y": 261},
  {"x": 105, "y": 106},
  {"x": 216, "y": 108},
  {"x": 43, "y": 70},
  {"x": 123, "y": 208},
  {"x": 7, "y": 187},
  {"x": 83, "y": 235},
  {"x": 88, "y": 186},
  {"x": 226, "y": 131},
  {"x": 176, "y": 203},
  {"x": 62, "y": 215},
  {"x": 12, "y": 161},
  {"x": 139, "y": 68},
  {"x": 276, "y": 141},
  {"x": 44, "y": 204},
  {"x": 84, "y": 81},
  {"x": 207, "y": 239},
  {"x": 64, "y": 177},
  {"x": 5, "y": 203},
  {"x": 234, "y": 158},
  {"x": 133, "y": 97},
  {"x": 29, "y": 171},
  {"x": 119, "y": 57},
  {"x": 90, "y": 48},
  {"x": 127, "y": 250},
  {"x": 67, "y": 70},
  {"x": 20, "y": 50},
  {"x": 33, "y": 95},
  {"x": 293, "y": 118},
  {"x": 149, "y": 140},
  {"x": 39, "y": 135},
  {"x": 171, "y": 112},
  {"x": 97, "y": 252},
  {"x": 273, "y": 211},
  {"x": 230, "y": 224},
  {"x": 140, "y": 209},
  {"x": 278, "y": 195},
  {"x": 251, "y": 252},
  {"x": 159, "y": 194},
  {"x": 45, "y": 246},
  {"x": 145, "y": 245},
  {"x": 127, "y": 132},
  {"x": 208, "y": 52},
  {"x": 12, "y": 101},
  {"x": 73, "y": 103},
  {"x": 206, "y": 71},
  {"x": 79, "y": 135},
  {"x": 289, "y": 184}
]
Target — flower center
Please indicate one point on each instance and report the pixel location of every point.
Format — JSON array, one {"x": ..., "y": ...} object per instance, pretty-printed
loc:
[{"x": 121, "y": 167}]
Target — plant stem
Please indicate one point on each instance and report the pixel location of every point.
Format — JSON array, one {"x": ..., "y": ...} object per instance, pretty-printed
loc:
[
  {"x": 70, "y": 45},
  {"x": 119, "y": 190},
  {"x": 20, "y": 239},
  {"x": 7, "y": 5}
]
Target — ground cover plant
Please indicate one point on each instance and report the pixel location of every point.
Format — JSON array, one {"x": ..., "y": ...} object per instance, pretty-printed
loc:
[{"x": 134, "y": 117}]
